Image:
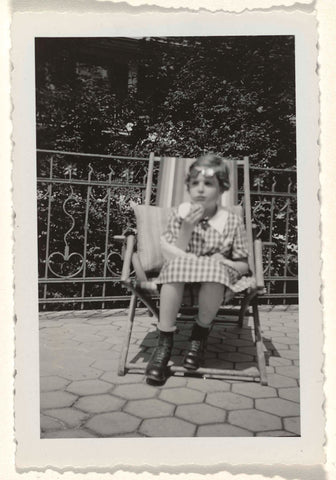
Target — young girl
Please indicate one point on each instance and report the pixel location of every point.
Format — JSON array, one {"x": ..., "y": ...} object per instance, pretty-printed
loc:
[{"x": 206, "y": 244}]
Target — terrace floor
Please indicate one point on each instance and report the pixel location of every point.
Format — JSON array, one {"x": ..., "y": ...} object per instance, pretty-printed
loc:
[{"x": 83, "y": 396}]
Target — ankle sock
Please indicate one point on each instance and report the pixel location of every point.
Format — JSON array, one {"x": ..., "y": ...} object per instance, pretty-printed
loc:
[{"x": 198, "y": 332}]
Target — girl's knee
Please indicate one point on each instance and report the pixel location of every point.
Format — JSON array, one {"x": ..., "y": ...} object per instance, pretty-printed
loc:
[{"x": 212, "y": 286}]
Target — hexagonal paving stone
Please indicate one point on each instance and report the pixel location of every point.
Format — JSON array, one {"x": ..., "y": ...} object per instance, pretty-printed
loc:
[
  {"x": 222, "y": 430},
  {"x": 47, "y": 370},
  {"x": 52, "y": 382},
  {"x": 114, "y": 423},
  {"x": 293, "y": 334},
  {"x": 248, "y": 350},
  {"x": 219, "y": 348},
  {"x": 134, "y": 391},
  {"x": 279, "y": 362},
  {"x": 107, "y": 365},
  {"x": 290, "y": 354},
  {"x": 238, "y": 342},
  {"x": 213, "y": 340},
  {"x": 287, "y": 340},
  {"x": 275, "y": 433},
  {"x": 200, "y": 414},
  {"x": 114, "y": 378},
  {"x": 56, "y": 399},
  {"x": 175, "y": 381},
  {"x": 218, "y": 363},
  {"x": 167, "y": 427},
  {"x": 254, "y": 390},
  {"x": 47, "y": 423},
  {"x": 100, "y": 403},
  {"x": 278, "y": 406},
  {"x": 278, "y": 381},
  {"x": 292, "y": 393},
  {"x": 60, "y": 344},
  {"x": 290, "y": 371},
  {"x": 282, "y": 328},
  {"x": 276, "y": 346},
  {"x": 50, "y": 323},
  {"x": 89, "y": 387},
  {"x": 70, "y": 416},
  {"x": 80, "y": 372},
  {"x": 182, "y": 395},
  {"x": 86, "y": 337},
  {"x": 208, "y": 385},
  {"x": 236, "y": 357},
  {"x": 93, "y": 347},
  {"x": 292, "y": 424},
  {"x": 149, "y": 408},
  {"x": 229, "y": 401},
  {"x": 69, "y": 434},
  {"x": 254, "y": 420}
]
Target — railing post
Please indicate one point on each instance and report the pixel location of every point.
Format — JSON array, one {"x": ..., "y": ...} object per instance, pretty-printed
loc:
[{"x": 149, "y": 179}]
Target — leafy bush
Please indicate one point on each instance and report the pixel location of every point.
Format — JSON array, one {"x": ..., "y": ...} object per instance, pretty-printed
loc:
[{"x": 234, "y": 95}]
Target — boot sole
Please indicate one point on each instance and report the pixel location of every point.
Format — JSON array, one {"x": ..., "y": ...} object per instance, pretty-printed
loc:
[
  {"x": 155, "y": 378},
  {"x": 191, "y": 367}
]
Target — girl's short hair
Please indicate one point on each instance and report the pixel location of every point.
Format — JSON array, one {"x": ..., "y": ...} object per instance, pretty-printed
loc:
[{"x": 210, "y": 162}]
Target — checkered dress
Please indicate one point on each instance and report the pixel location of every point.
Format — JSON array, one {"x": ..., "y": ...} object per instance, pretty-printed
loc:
[{"x": 206, "y": 241}]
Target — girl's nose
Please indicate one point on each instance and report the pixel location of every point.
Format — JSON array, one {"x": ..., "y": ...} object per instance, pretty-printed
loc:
[{"x": 200, "y": 186}]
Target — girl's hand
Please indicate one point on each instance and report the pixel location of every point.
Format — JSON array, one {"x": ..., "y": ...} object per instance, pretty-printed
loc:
[
  {"x": 217, "y": 256},
  {"x": 240, "y": 266},
  {"x": 194, "y": 216},
  {"x": 188, "y": 223}
]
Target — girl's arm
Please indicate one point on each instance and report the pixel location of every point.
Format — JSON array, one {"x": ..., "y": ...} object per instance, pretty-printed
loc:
[
  {"x": 240, "y": 265},
  {"x": 175, "y": 240},
  {"x": 187, "y": 226}
]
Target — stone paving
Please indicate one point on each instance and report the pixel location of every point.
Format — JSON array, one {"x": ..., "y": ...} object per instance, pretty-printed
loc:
[{"x": 82, "y": 395}]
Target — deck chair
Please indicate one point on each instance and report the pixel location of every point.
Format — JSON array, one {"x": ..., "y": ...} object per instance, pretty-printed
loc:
[{"x": 142, "y": 251}]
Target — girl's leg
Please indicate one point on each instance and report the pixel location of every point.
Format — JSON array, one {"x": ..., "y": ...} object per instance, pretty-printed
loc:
[
  {"x": 170, "y": 302},
  {"x": 210, "y": 298}
]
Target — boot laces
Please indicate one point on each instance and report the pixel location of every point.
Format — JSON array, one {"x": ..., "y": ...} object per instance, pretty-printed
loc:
[
  {"x": 196, "y": 346},
  {"x": 161, "y": 352}
]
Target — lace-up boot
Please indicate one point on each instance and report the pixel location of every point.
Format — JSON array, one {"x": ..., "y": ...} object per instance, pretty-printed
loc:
[
  {"x": 157, "y": 366},
  {"x": 195, "y": 355}
]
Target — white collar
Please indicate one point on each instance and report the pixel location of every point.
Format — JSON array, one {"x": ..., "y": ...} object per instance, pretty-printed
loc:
[{"x": 217, "y": 222}]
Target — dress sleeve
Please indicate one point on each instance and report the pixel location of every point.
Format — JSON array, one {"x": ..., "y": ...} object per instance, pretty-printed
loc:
[
  {"x": 171, "y": 233},
  {"x": 239, "y": 245}
]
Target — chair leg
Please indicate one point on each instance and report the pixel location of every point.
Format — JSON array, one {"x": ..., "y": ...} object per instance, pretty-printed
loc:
[
  {"x": 242, "y": 311},
  {"x": 259, "y": 343},
  {"x": 127, "y": 336}
]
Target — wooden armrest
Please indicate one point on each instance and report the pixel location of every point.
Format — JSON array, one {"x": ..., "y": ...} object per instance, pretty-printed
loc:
[
  {"x": 130, "y": 242},
  {"x": 119, "y": 238},
  {"x": 269, "y": 244},
  {"x": 259, "y": 271}
]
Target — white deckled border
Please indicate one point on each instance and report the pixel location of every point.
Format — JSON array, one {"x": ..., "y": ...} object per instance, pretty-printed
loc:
[
  {"x": 115, "y": 453},
  {"x": 215, "y": 5}
]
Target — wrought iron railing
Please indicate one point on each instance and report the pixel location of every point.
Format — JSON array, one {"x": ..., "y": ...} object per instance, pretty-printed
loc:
[
  {"x": 83, "y": 203},
  {"x": 274, "y": 214}
]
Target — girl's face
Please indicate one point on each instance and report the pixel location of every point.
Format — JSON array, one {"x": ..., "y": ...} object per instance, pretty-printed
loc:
[{"x": 204, "y": 190}]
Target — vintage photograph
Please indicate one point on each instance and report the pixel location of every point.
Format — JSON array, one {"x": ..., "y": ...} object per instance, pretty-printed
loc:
[{"x": 167, "y": 227}]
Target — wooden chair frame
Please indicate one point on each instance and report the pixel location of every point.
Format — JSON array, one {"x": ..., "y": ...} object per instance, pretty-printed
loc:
[{"x": 249, "y": 298}]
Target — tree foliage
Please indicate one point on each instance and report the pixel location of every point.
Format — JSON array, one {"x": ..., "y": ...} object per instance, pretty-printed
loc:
[{"x": 234, "y": 95}]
